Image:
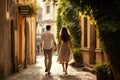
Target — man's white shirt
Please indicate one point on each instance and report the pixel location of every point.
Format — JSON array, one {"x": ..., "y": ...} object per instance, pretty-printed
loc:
[{"x": 47, "y": 40}]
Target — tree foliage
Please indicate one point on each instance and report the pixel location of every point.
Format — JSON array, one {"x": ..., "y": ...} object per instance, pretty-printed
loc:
[
  {"x": 106, "y": 14},
  {"x": 70, "y": 18},
  {"x": 58, "y": 22}
]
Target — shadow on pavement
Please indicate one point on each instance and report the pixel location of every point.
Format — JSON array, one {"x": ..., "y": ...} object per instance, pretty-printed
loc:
[{"x": 69, "y": 77}]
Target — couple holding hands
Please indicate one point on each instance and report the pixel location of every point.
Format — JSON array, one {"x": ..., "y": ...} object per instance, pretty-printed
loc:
[{"x": 64, "y": 45}]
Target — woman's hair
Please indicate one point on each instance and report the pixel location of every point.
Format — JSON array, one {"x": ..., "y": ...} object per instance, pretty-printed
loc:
[{"x": 65, "y": 36}]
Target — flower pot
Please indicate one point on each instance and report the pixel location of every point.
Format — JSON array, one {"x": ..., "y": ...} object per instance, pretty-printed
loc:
[{"x": 102, "y": 76}]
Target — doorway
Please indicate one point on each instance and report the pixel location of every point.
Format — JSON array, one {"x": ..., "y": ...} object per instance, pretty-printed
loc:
[{"x": 12, "y": 47}]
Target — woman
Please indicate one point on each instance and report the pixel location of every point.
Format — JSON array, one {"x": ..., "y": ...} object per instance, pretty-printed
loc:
[{"x": 65, "y": 45}]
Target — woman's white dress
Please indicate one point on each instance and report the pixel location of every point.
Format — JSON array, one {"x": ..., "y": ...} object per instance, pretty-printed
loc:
[{"x": 64, "y": 52}]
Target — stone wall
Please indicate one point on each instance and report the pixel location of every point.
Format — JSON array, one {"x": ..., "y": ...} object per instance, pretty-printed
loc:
[
  {"x": 5, "y": 41},
  {"x": 12, "y": 39},
  {"x": 92, "y": 52}
]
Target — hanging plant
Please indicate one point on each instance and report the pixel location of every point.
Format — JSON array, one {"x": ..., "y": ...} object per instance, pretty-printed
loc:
[
  {"x": 33, "y": 9},
  {"x": 28, "y": 10}
]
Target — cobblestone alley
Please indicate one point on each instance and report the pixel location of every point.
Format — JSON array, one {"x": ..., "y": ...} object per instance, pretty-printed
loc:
[{"x": 36, "y": 72}]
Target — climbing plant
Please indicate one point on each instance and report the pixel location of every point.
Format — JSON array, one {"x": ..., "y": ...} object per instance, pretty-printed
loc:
[
  {"x": 33, "y": 8},
  {"x": 106, "y": 16},
  {"x": 70, "y": 18},
  {"x": 58, "y": 22}
]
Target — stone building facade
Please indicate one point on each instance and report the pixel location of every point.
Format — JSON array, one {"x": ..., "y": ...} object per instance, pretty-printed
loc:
[
  {"x": 15, "y": 41},
  {"x": 47, "y": 12},
  {"x": 90, "y": 43},
  {"x": 8, "y": 22}
]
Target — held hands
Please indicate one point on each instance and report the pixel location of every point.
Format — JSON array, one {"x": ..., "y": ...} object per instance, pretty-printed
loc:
[
  {"x": 55, "y": 48},
  {"x": 41, "y": 50}
]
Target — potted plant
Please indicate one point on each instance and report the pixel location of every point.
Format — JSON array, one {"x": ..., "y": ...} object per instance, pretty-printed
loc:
[
  {"x": 32, "y": 7},
  {"x": 78, "y": 57},
  {"x": 103, "y": 71},
  {"x": 33, "y": 10}
]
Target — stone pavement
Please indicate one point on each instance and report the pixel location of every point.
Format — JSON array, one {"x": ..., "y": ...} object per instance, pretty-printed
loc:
[{"x": 36, "y": 72}]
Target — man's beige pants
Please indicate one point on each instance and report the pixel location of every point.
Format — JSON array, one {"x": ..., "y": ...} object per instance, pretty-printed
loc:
[{"x": 48, "y": 59}]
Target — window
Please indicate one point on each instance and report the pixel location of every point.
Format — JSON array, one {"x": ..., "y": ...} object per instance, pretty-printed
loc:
[
  {"x": 17, "y": 1},
  {"x": 85, "y": 31},
  {"x": 7, "y": 5},
  {"x": 47, "y": 9},
  {"x": 9, "y": 2},
  {"x": 43, "y": 30}
]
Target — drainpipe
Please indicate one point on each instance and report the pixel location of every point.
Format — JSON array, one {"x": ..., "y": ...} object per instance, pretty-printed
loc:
[{"x": 25, "y": 64}]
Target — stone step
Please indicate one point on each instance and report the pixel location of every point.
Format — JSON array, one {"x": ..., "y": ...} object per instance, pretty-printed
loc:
[{"x": 89, "y": 69}]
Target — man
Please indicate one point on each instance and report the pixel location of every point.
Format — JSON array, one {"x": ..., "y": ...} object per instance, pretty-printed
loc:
[{"x": 47, "y": 41}]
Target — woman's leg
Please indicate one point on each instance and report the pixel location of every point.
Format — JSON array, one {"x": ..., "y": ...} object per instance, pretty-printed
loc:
[
  {"x": 63, "y": 67},
  {"x": 66, "y": 66}
]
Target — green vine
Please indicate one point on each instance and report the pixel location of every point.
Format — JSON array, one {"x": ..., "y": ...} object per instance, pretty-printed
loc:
[
  {"x": 68, "y": 16},
  {"x": 33, "y": 9}
]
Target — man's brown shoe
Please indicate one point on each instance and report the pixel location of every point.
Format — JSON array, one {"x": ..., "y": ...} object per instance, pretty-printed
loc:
[
  {"x": 49, "y": 73},
  {"x": 46, "y": 70}
]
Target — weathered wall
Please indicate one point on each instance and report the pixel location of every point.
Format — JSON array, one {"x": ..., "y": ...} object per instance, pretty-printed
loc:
[
  {"x": 12, "y": 39},
  {"x": 31, "y": 46},
  {"x": 5, "y": 41},
  {"x": 92, "y": 53}
]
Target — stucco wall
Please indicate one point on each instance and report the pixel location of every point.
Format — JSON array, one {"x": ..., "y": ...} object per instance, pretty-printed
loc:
[
  {"x": 92, "y": 53},
  {"x": 5, "y": 41}
]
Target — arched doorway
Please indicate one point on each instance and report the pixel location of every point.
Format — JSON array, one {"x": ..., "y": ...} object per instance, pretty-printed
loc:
[{"x": 38, "y": 35}]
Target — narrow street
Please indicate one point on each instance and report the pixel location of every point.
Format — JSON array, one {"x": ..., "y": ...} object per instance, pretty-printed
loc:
[{"x": 36, "y": 72}]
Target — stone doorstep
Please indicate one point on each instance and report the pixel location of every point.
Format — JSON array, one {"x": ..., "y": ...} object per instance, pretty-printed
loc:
[
  {"x": 89, "y": 68},
  {"x": 20, "y": 67}
]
